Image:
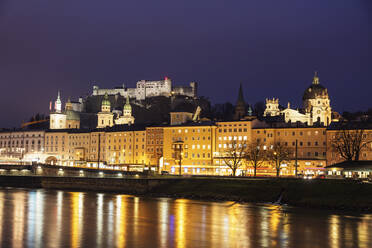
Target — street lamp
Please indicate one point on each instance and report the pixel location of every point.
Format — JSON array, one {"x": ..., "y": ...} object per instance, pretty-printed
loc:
[{"x": 178, "y": 153}]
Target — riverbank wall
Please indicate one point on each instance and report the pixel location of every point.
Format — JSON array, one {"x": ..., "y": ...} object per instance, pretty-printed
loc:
[{"x": 328, "y": 194}]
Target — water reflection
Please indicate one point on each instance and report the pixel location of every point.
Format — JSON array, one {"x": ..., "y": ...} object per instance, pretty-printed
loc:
[
  {"x": 120, "y": 220},
  {"x": 181, "y": 222},
  {"x": 38, "y": 218},
  {"x": 99, "y": 222},
  {"x": 1, "y": 215},
  {"x": 18, "y": 219},
  {"x": 76, "y": 218},
  {"x": 163, "y": 208}
]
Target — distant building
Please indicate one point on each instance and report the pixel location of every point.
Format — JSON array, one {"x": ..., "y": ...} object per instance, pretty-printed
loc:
[
  {"x": 127, "y": 117},
  {"x": 66, "y": 119},
  {"x": 240, "y": 105},
  {"x": 105, "y": 117},
  {"x": 316, "y": 106},
  {"x": 146, "y": 89}
]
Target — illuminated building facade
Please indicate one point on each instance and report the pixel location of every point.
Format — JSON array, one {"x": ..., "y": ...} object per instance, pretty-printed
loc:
[
  {"x": 191, "y": 146},
  {"x": 311, "y": 147},
  {"x": 154, "y": 146},
  {"x": 63, "y": 119},
  {"x": 22, "y": 146},
  {"x": 316, "y": 106},
  {"x": 145, "y": 89}
]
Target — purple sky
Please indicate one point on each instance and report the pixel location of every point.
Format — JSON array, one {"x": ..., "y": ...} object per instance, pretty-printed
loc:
[{"x": 272, "y": 47}]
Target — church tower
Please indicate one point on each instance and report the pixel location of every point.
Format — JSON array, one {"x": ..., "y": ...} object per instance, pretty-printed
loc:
[
  {"x": 105, "y": 117},
  {"x": 127, "y": 117},
  {"x": 72, "y": 117},
  {"x": 272, "y": 107},
  {"x": 240, "y": 105},
  {"x": 316, "y": 102},
  {"x": 57, "y": 118}
]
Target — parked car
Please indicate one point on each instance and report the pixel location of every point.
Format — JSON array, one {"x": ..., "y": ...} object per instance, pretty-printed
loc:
[
  {"x": 320, "y": 177},
  {"x": 164, "y": 172}
]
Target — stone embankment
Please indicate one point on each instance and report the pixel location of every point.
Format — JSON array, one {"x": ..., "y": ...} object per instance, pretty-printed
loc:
[{"x": 328, "y": 194}]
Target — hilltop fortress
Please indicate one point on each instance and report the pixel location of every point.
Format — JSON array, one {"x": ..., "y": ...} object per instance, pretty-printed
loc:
[
  {"x": 146, "y": 89},
  {"x": 150, "y": 101}
]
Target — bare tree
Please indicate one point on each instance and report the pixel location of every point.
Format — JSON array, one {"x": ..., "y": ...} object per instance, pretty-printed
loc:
[
  {"x": 278, "y": 154},
  {"x": 349, "y": 143},
  {"x": 255, "y": 154},
  {"x": 234, "y": 155}
]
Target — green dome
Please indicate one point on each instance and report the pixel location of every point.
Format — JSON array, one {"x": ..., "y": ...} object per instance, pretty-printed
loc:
[
  {"x": 106, "y": 101},
  {"x": 127, "y": 106}
]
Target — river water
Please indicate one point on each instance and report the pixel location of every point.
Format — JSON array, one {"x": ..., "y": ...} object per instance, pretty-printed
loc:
[{"x": 48, "y": 218}]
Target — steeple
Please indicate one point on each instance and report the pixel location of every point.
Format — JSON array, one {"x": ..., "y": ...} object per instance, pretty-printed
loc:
[
  {"x": 316, "y": 78},
  {"x": 106, "y": 105},
  {"x": 127, "y": 107},
  {"x": 240, "y": 105},
  {"x": 58, "y": 104},
  {"x": 240, "y": 96},
  {"x": 250, "y": 111},
  {"x": 68, "y": 105}
]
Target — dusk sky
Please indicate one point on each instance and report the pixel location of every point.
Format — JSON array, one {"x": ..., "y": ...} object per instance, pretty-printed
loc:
[{"x": 272, "y": 47}]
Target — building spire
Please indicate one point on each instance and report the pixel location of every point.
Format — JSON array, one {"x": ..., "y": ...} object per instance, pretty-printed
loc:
[
  {"x": 58, "y": 104},
  {"x": 240, "y": 96},
  {"x": 127, "y": 99},
  {"x": 240, "y": 105},
  {"x": 316, "y": 78}
]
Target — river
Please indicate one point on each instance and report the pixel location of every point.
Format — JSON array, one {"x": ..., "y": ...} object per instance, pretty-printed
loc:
[{"x": 48, "y": 218}]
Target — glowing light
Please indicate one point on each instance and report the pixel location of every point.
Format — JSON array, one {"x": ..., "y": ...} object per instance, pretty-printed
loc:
[
  {"x": 163, "y": 209},
  {"x": 120, "y": 220},
  {"x": 18, "y": 218},
  {"x": 76, "y": 218},
  {"x": 99, "y": 226},
  {"x": 180, "y": 225},
  {"x": 1, "y": 214}
]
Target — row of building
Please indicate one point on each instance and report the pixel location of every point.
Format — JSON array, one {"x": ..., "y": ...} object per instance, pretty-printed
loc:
[
  {"x": 188, "y": 144},
  {"x": 134, "y": 147}
]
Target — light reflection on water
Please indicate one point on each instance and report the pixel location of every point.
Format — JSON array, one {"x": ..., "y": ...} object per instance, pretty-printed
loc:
[{"x": 42, "y": 218}]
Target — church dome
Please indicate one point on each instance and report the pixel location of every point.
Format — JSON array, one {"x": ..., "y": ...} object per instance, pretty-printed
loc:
[
  {"x": 314, "y": 90},
  {"x": 127, "y": 106},
  {"x": 106, "y": 101},
  {"x": 72, "y": 115}
]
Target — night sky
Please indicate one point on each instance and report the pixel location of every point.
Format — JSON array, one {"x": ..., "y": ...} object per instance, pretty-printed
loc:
[{"x": 272, "y": 47}]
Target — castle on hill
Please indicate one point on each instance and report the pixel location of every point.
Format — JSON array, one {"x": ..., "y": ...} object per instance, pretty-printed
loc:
[
  {"x": 107, "y": 108},
  {"x": 146, "y": 89}
]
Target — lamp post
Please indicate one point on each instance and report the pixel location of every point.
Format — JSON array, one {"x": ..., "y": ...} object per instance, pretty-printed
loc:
[
  {"x": 296, "y": 165},
  {"x": 178, "y": 153}
]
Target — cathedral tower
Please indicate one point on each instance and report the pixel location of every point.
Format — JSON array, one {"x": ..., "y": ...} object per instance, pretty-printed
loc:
[
  {"x": 105, "y": 117},
  {"x": 127, "y": 117},
  {"x": 57, "y": 118},
  {"x": 72, "y": 117},
  {"x": 240, "y": 105},
  {"x": 316, "y": 102}
]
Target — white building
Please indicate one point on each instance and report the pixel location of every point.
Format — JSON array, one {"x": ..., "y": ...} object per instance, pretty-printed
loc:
[
  {"x": 127, "y": 117},
  {"x": 105, "y": 117},
  {"x": 57, "y": 118},
  {"x": 316, "y": 106},
  {"x": 145, "y": 89},
  {"x": 22, "y": 146},
  {"x": 66, "y": 119}
]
